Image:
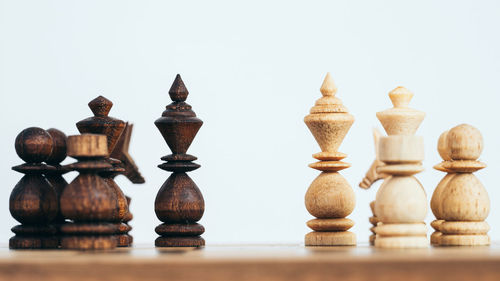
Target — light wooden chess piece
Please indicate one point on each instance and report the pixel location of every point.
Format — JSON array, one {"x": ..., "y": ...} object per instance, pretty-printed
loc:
[
  {"x": 460, "y": 201},
  {"x": 370, "y": 178},
  {"x": 401, "y": 203},
  {"x": 436, "y": 195},
  {"x": 329, "y": 198}
]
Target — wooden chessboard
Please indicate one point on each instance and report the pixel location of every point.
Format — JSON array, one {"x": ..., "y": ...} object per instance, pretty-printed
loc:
[{"x": 254, "y": 262}]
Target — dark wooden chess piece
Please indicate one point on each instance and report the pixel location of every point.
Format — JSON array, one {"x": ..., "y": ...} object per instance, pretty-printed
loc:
[
  {"x": 88, "y": 201},
  {"x": 54, "y": 176},
  {"x": 112, "y": 128},
  {"x": 121, "y": 153},
  {"x": 33, "y": 201},
  {"x": 179, "y": 203}
]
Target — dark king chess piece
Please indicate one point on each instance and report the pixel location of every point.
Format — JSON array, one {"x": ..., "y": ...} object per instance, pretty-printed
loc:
[{"x": 179, "y": 203}]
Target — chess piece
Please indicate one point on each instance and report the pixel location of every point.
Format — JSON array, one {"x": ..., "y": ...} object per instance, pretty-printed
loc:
[
  {"x": 436, "y": 195},
  {"x": 88, "y": 201},
  {"x": 121, "y": 153},
  {"x": 329, "y": 198},
  {"x": 179, "y": 204},
  {"x": 401, "y": 203},
  {"x": 54, "y": 177},
  {"x": 33, "y": 201},
  {"x": 460, "y": 202},
  {"x": 113, "y": 129},
  {"x": 370, "y": 178}
]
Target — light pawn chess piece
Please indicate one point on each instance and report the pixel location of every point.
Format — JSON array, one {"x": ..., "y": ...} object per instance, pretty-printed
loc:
[
  {"x": 460, "y": 202},
  {"x": 401, "y": 203},
  {"x": 329, "y": 198},
  {"x": 179, "y": 203},
  {"x": 370, "y": 178},
  {"x": 444, "y": 152}
]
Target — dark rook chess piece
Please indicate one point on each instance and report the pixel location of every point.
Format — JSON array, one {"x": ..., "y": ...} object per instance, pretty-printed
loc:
[
  {"x": 113, "y": 129},
  {"x": 179, "y": 203},
  {"x": 91, "y": 204},
  {"x": 33, "y": 202}
]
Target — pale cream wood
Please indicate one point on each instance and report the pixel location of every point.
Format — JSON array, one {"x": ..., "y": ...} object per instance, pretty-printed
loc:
[
  {"x": 329, "y": 196},
  {"x": 87, "y": 145}
]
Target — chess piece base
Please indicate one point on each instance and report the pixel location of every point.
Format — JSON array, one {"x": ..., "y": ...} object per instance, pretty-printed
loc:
[
  {"x": 401, "y": 242},
  {"x": 124, "y": 240},
  {"x": 165, "y": 241},
  {"x": 95, "y": 242},
  {"x": 33, "y": 242},
  {"x": 340, "y": 238},
  {"x": 436, "y": 237},
  {"x": 372, "y": 239},
  {"x": 464, "y": 240}
]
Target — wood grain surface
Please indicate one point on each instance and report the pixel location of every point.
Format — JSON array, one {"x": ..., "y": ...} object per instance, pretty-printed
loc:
[{"x": 254, "y": 262}]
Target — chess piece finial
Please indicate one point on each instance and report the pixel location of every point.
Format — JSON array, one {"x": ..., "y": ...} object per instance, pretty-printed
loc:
[
  {"x": 328, "y": 88},
  {"x": 460, "y": 202},
  {"x": 401, "y": 120},
  {"x": 33, "y": 201},
  {"x": 88, "y": 201},
  {"x": 179, "y": 203},
  {"x": 178, "y": 91},
  {"x": 101, "y": 123},
  {"x": 329, "y": 198}
]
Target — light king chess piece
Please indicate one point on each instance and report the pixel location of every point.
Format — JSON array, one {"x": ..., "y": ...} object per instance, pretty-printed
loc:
[{"x": 329, "y": 198}]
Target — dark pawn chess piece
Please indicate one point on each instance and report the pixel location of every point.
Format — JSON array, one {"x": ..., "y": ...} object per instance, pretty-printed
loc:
[
  {"x": 33, "y": 201},
  {"x": 179, "y": 203},
  {"x": 112, "y": 128},
  {"x": 88, "y": 201},
  {"x": 54, "y": 177}
]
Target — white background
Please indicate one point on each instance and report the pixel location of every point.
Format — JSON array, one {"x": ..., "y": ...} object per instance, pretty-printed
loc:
[{"x": 253, "y": 71}]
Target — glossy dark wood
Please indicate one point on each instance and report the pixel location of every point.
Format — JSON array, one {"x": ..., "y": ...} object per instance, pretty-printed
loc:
[
  {"x": 89, "y": 202},
  {"x": 33, "y": 201},
  {"x": 179, "y": 202},
  {"x": 114, "y": 130}
]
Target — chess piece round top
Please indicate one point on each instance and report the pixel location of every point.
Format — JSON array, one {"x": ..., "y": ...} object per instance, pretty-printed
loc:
[
  {"x": 87, "y": 146},
  {"x": 58, "y": 147},
  {"x": 401, "y": 120},
  {"x": 443, "y": 149},
  {"x": 33, "y": 145},
  {"x": 465, "y": 142}
]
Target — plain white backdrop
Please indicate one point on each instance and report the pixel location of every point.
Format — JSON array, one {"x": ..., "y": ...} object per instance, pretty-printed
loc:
[{"x": 253, "y": 71}]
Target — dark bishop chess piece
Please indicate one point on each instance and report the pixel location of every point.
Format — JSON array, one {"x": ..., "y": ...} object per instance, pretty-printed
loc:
[
  {"x": 113, "y": 129},
  {"x": 179, "y": 203},
  {"x": 33, "y": 201},
  {"x": 88, "y": 201}
]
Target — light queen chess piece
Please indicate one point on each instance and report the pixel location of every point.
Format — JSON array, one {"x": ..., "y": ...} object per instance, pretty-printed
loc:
[
  {"x": 329, "y": 198},
  {"x": 401, "y": 202}
]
